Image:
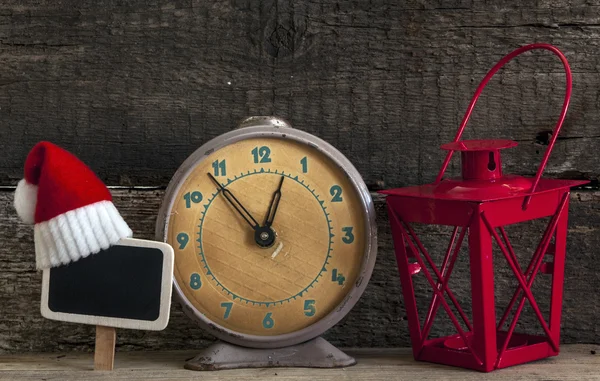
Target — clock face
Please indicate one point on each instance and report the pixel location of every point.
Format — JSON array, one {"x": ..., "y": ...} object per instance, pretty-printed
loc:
[{"x": 269, "y": 236}]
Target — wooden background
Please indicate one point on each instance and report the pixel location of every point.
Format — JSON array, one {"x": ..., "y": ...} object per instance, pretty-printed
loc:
[{"x": 134, "y": 87}]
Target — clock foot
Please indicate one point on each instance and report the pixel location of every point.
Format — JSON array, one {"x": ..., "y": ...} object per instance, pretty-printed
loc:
[{"x": 316, "y": 353}]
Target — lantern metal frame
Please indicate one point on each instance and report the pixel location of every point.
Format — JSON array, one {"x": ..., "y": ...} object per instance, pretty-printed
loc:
[{"x": 481, "y": 204}]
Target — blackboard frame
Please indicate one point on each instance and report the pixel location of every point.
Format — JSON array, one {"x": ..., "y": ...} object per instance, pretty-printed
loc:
[{"x": 165, "y": 298}]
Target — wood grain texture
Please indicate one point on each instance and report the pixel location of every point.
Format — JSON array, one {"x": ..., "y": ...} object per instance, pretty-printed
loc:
[
  {"x": 576, "y": 362},
  {"x": 378, "y": 319},
  {"x": 134, "y": 87}
]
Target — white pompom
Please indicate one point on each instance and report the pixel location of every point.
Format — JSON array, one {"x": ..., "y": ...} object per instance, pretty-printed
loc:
[{"x": 25, "y": 201}]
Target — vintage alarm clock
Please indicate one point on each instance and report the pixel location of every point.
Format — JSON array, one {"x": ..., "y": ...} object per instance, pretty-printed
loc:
[{"x": 275, "y": 240}]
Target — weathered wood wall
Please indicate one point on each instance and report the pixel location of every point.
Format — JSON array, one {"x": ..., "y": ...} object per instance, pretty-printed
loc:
[{"x": 133, "y": 87}]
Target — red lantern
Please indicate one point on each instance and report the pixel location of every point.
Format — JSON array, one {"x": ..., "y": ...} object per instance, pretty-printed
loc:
[{"x": 478, "y": 206}]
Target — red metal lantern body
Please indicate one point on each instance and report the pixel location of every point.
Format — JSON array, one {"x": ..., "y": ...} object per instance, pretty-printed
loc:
[{"x": 478, "y": 206}]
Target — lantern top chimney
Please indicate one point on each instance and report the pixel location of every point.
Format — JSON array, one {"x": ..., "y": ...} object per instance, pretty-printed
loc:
[{"x": 480, "y": 159}]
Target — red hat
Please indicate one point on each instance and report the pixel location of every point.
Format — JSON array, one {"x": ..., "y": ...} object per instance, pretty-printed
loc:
[{"x": 72, "y": 209}]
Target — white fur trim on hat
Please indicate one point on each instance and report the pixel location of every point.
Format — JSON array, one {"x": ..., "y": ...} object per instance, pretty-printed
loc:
[
  {"x": 78, "y": 233},
  {"x": 25, "y": 201}
]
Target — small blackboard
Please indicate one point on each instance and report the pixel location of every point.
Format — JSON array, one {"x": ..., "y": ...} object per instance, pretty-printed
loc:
[{"x": 126, "y": 286}]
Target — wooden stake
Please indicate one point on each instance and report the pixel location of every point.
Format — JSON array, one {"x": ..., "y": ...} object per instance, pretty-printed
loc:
[{"x": 104, "y": 354}]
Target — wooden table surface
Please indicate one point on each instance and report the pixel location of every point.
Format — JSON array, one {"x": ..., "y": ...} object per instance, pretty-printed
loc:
[{"x": 576, "y": 362}]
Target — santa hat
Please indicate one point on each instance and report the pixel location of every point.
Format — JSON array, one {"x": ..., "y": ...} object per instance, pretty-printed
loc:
[{"x": 72, "y": 209}]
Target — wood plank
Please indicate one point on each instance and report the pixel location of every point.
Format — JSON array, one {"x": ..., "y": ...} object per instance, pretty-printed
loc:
[
  {"x": 104, "y": 351},
  {"x": 134, "y": 88},
  {"x": 378, "y": 319},
  {"x": 576, "y": 362}
]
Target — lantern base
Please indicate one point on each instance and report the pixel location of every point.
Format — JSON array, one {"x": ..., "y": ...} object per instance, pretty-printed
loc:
[{"x": 453, "y": 351}]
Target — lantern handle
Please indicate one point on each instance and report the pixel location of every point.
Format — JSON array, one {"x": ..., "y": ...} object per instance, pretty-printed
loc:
[{"x": 482, "y": 85}]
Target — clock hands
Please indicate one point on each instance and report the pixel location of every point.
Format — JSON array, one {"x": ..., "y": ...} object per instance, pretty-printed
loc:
[
  {"x": 274, "y": 204},
  {"x": 236, "y": 204},
  {"x": 263, "y": 235}
]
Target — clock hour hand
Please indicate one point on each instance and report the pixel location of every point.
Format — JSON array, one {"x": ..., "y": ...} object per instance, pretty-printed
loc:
[
  {"x": 236, "y": 204},
  {"x": 274, "y": 204}
]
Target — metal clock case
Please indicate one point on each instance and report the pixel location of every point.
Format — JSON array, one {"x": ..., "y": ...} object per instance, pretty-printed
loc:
[{"x": 275, "y": 241}]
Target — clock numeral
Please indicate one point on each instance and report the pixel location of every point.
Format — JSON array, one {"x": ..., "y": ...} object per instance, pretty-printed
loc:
[
  {"x": 337, "y": 277},
  {"x": 183, "y": 239},
  {"x": 227, "y": 306},
  {"x": 349, "y": 237},
  {"x": 262, "y": 154},
  {"x": 219, "y": 168},
  {"x": 309, "y": 307},
  {"x": 268, "y": 322},
  {"x": 190, "y": 197},
  {"x": 304, "y": 163},
  {"x": 195, "y": 281},
  {"x": 336, "y": 192}
]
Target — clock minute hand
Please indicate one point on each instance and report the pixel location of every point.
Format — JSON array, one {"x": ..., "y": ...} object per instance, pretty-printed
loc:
[
  {"x": 236, "y": 204},
  {"x": 274, "y": 204}
]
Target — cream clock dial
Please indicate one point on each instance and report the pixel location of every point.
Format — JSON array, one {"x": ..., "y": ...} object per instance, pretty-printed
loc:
[{"x": 273, "y": 232}]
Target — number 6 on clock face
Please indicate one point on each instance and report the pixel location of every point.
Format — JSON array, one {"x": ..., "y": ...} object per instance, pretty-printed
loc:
[{"x": 271, "y": 235}]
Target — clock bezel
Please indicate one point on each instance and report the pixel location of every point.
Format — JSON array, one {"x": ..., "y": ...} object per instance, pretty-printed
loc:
[{"x": 272, "y": 127}]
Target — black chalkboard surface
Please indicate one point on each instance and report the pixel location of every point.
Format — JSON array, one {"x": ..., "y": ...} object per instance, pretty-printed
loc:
[
  {"x": 123, "y": 286},
  {"x": 122, "y": 281}
]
